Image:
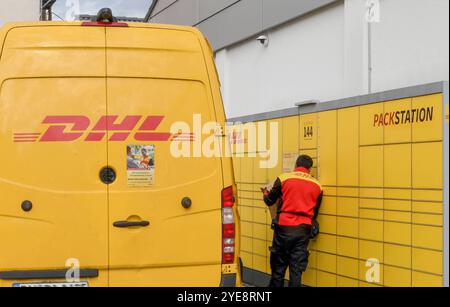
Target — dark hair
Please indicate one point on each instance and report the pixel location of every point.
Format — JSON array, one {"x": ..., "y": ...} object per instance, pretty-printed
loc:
[{"x": 304, "y": 161}]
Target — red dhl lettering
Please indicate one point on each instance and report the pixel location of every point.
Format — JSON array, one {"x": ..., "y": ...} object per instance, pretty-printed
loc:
[{"x": 75, "y": 127}]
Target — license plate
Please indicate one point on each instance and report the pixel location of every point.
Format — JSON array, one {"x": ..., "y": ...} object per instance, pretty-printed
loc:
[{"x": 53, "y": 285}]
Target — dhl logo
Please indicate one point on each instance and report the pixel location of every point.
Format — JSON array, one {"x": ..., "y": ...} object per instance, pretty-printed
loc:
[{"x": 76, "y": 127}]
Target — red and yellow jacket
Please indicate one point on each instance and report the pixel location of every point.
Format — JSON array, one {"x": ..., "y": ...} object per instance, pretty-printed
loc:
[{"x": 300, "y": 196}]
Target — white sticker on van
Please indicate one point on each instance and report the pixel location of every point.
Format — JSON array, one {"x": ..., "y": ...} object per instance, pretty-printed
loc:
[{"x": 140, "y": 165}]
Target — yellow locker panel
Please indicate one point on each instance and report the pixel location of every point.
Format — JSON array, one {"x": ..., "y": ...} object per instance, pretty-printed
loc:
[
  {"x": 347, "y": 227},
  {"x": 327, "y": 145},
  {"x": 329, "y": 191},
  {"x": 237, "y": 140},
  {"x": 326, "y": 243},
  {"x": 397, "y": 122},
  {"x": 259, "y": 216},
  {"x": 383, "y": 193},
  {"x": 246, "y": 213},
  {"x": 246, "y": 198},
  {"x": 347, "y": 247},
  {"x": 397, "y": 205},
  {"x": 420, "y": 279},
  {"x": 329, "y": 205},
  {"x": 376, "y": 204},
  {"x": 308, "y": 131},
  {"x": 371, "y": 250},
  {"x": 246, "y": 229},
  {"x": 396, "y": 216},
  {"x": 397, "y": 255},
  {"x": 327, "y": 224},
  {"x": 427, "y": 195},
  {"x": 258, "y": 202},
  {"x": 427, "y": 237},
  {"x": 399, "y": 233},
  {"x": 259, "y": 247},
  {"x": 368, "y": 285},
  {"x": 427, "y": 165},
  {"x": 247, "y": 170},
  {"x": 345, "y": 282},
  {"x": 371, "y": 193},
  {"x": 397, "y": 166},
  {"x": 310, "y": 278},
  {"x": 347, "y": 192},
  {"x": 427, "y": 219},
  {"x": 259, "y": 263},
  {"x": 326, "y": 262},
  {"x": 247, "y": 259},
  {"x": 259, "y": 173},
  {"x": 347, "y": 267},
  {"x": 312, "y": 260},
  {"x": 371, "y": 169},
  {"x": 237, "y": 168},
  {"x": 401, "y": 193},
  {"x": 247, "y": 244},
  {"x": 397, "y": 277},
  {"x": 290, "y": 134},
  {"x": 247, "y": 143},
  {"x": 427, "y": 207},
  {"x": 348, "y": 147},
  {"x": 347, "y": 206},
  {"x": 427, "y": 124},
  {"x": 371, "y": 132},
  {"x": 269, "y": 235},
  {"x": 371, "y": 230},
  {"x": 273, "y": 173},
  {"x": 427, "y": 261},
  {"x": 259, "y": 231},
  {"x": 325, "y": 279},
  {"x": 371, "y": 214}
]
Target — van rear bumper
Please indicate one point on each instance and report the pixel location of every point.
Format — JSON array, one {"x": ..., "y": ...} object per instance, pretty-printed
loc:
[{"x": 228, "y": 281}]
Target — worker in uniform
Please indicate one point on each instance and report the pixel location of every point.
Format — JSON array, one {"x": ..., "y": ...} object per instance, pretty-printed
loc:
[{"x": 299, "y": 196}]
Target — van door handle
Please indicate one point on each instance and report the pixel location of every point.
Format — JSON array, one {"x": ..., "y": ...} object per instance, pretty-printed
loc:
[{"x": 126, "y": 224}]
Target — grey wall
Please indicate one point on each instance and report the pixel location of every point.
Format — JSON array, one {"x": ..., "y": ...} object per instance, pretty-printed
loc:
[
  {"x": 19, "y": 10},
  {"x": 226, "y": 22}
]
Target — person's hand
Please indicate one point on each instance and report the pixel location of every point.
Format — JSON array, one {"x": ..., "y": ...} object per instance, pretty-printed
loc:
[{"x": 265, "y": 191}]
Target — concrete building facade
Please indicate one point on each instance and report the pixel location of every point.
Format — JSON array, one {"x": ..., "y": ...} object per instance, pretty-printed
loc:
[
  {"x": 19, "y": 10},
  {"x": 317, "y": 49}
]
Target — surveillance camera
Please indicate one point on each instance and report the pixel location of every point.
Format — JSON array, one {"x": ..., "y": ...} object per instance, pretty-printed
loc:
[{"x": 264, "y": 40}]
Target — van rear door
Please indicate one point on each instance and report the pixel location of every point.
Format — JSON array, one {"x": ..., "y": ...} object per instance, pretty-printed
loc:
[
  {"x": 156, "y": 77},
  {"x": 53, "y": 208}
]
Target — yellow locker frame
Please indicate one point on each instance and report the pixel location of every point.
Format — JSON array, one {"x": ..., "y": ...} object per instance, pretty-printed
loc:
[{"x": 381, "y": 199}]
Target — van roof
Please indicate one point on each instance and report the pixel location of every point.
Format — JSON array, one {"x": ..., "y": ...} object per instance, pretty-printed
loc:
[{"x": 8, "y": 26}]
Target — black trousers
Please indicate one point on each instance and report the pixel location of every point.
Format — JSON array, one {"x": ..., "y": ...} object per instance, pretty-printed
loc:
[{"x": 289, "y": 249}]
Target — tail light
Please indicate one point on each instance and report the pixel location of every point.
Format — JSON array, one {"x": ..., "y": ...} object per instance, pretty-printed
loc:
[{"x": 228, "y": 226}]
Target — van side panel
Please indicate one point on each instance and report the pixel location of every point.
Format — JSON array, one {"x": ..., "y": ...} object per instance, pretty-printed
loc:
[{"x": 227, "y": 161}]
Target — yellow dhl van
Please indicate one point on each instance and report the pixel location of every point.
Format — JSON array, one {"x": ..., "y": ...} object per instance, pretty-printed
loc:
[{"x": 90, "y": 193}]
